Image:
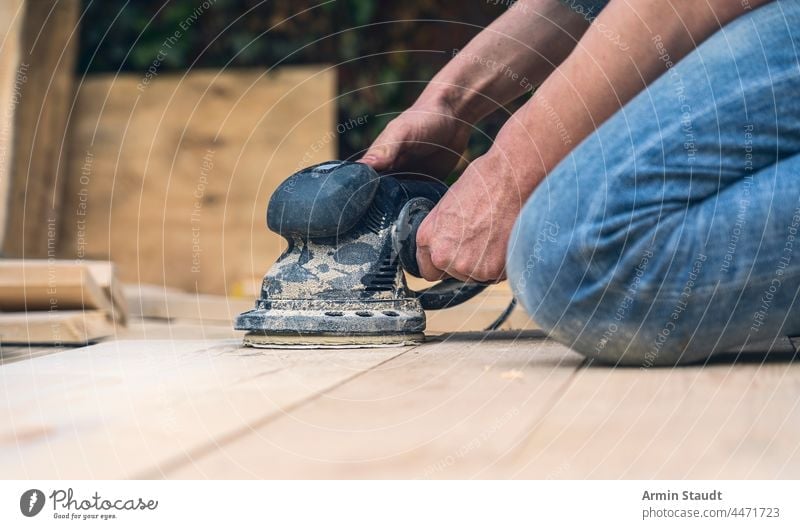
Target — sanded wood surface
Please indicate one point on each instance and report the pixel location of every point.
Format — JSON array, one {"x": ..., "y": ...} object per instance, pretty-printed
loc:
[
  {"x": 465, "y": 405},
  {"x": 137, "y": 408},
  {"x": 721, "y": 421},
  {"x": 169, "y": 175},
  {"x": 450, "y": 408}
]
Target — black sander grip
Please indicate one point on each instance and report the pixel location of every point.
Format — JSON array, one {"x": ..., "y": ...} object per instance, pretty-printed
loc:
[{"x": 444, "y": 294}]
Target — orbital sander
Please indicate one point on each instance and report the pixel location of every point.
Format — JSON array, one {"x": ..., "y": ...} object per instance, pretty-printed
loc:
[{"x": 351, "y": 235}]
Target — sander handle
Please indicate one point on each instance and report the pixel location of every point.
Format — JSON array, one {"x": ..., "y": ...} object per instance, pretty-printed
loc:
[{"x": 444, "y": 294}]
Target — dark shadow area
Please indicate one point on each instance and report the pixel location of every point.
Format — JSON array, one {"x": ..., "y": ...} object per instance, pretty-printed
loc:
[
  {"x": 479, "y": 336},
  {"x": 773, "y": 357}
]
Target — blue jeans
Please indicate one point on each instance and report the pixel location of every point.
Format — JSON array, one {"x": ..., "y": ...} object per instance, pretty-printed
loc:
[{"x": 673, "y": 232}]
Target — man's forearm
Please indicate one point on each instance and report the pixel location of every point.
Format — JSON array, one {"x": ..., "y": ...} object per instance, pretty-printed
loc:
[
  {"x": 514, "y": 54},
  {"x": 617, "y": 57}
]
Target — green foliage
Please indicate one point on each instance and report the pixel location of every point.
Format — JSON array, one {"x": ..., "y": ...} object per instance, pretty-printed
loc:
[{"x": 385, "y": 51}]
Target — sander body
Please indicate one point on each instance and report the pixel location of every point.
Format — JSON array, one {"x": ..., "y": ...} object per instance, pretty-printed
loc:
[{"x": 351, "y": 236}]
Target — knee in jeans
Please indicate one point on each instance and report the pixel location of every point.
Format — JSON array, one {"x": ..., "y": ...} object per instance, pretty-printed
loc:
[
  {"x": 544, "y": 265},
  {"x": 585, "y": 297},
  {"x": 637, "y": 343}
]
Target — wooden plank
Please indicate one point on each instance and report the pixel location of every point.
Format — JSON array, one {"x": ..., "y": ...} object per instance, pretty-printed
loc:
[
  {"x": 49, "y": 45},
  {"x": 49, "y": 285},
  {"x": 722, "y": 421},
  {"x": 57, "y": 327},
  {"x": 105, "y": 274},
  {"x": 13, "y": 76},
  {"x": 448, "y": 409},
  {"x": 132, "y": 408},
  {"x": 170, "y": 180},
  {"x": 502, "y": 405}
]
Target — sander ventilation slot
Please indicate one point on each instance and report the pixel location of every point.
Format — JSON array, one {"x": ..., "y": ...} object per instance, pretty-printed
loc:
[
  {"x": 384, "y": 279},
  {"x": 375, "y": 220}
]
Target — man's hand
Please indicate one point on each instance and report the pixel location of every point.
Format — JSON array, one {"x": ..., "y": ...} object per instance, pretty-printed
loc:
[
  {"x": 427, "y": 138},
  {"x": 466, "y": 234}
]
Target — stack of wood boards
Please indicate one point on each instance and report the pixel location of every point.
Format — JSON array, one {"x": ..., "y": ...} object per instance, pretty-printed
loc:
[{"x": 58, "y": 302}]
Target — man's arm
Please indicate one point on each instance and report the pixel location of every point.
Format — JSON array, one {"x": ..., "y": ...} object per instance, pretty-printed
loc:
[
  {"x": 467, "y": 233},
  {"x": 516, "y": 52},
  {"x": 616, "y": 59},
  {"x": 511, "y": 56}
]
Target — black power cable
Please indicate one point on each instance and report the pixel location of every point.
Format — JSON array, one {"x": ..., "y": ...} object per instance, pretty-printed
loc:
[{"x": 503, "y": 316}]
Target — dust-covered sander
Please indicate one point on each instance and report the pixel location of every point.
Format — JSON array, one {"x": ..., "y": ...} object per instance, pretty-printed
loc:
[{"x": 341, "y": 283}]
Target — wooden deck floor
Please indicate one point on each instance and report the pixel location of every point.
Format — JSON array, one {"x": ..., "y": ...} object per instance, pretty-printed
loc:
[{"x": 184, "y": 400}]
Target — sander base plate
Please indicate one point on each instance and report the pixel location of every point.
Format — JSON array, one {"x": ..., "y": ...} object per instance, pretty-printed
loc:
[{"x": 330, "y": 341}]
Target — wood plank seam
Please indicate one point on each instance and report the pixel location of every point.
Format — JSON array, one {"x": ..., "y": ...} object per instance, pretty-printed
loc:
[
  {"x": 517, "y": 448},
  {"x": 587, "y": 403},
  {"x": 174, "y": 463},
  {"x": 760, "y": 413},
  {"x": 552, "y": 401},
  {"x": 697, "y": 419}
]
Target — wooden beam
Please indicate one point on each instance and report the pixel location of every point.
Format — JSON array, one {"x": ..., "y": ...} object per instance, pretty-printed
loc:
[
  {"x": 57, "y": 327},
  {"x": 46, "y": 284},
  {"x": 48, "y": 53},
  {"x": 11, "y": 80}
]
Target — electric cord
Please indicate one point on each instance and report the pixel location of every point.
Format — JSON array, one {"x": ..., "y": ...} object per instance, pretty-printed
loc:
[{"x": 503, "y": 316}]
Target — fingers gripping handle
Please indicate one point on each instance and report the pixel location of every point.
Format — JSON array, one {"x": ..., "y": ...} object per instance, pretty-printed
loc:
[{"x": 444, "y": 294}]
